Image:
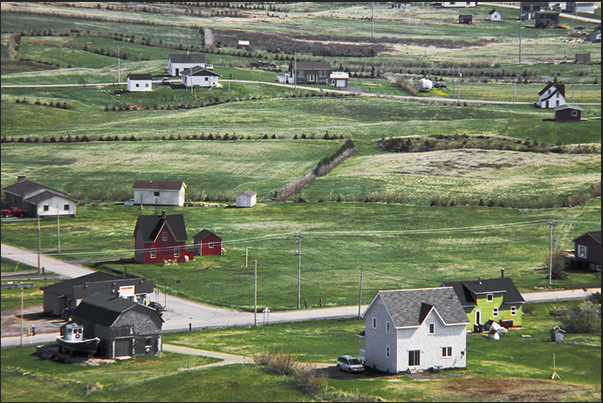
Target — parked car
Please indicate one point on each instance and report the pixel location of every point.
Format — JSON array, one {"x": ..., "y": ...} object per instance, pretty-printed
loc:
[{"x": 349, "y": 364}]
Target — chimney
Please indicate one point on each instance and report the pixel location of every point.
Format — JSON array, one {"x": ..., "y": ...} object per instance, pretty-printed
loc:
[
  {"x": 479, "y": 279},
  {"x": 163, "y": 214},
  {"x": 21, "y": 178},
  {"x": 502, "y": 273}
]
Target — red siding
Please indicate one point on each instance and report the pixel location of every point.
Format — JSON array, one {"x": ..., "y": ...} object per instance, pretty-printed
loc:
[
  {"x": 565, "y": 115},
  {"x": 211, "y": 240},
  {"x": 164, "y": 250}
]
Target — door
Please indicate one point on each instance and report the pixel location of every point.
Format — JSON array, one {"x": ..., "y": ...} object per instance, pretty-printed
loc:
[
  {"x": 478, "y": 317},
  {"x": 123, "y": 347},
  {"x": 414, "y": 358}
]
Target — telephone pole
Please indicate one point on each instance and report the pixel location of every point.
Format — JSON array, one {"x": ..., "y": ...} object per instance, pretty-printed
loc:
[
  {"x": 552, "y": 224},
  {"x": 520, "y": 29},
  {"x": 39, "y": 271},
  {"x": 298, "y": 241},
  {"x": 255, "y": 292},
  {"x": 360, "y": 297},
  {"x": 372, "y": 18}
]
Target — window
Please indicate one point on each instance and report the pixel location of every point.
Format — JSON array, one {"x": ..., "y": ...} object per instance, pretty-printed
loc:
[
  {"x": 374, "y": 323},
  {"x": 414, "y": 358},
  {"x": 431, "y": 328},
  {"x": 156, "y": 194},
  {"x": 513, "y": 310},
  {"x": 206, "y": 78},
  {"x": 490, "y": 297},
  {"x": 387, "y": 327},
  {"x": 164, "y": 236},
  {"x": 153, "y": 253},
  {"x": 582, "y": 251},
  {"x": 446, "y": 352},
  {"x": 45, "y": 208},
  {"x": 387, "y": 352},
  {"x": 210, "y": 245},
  {"x": 176, "y": 252},
  {"x": 66, "y": 207},
  {"x": 146, "y": 85},
  {"x": 495, "y": 312},
  {"x": 574, "y": 113},
  {"x": 137, "y": 85}
]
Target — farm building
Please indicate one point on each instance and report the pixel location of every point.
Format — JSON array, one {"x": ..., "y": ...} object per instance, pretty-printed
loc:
[
  {"x": 529, "y": 9},
  {"x": 552, "y": 95},
  {"x": 246, "y": 198},
  {"x": 458, "y": 4},
  {"x": 69, "y": 293},
  {"x": 126, "y": 329},
  {"x": 160, "y": 193},
  {"x": 587, "y": 250},
  {"x": 557, "y": 334},
  {"x": 425, "y": 84},
  {"x": 161, "y": 239},
  {"x": 497, "y": 299},
  {"x": 310, "y": 72},
  {"x": 207, "y": 243},
  {"x": 414, "y": 330},
  {"x": 494, "y": 16},
  {"x": 139, "y": 82},
  {"x": 37, "y": 200},
  {"x": 465, "y": 19},
  {"x": 179, "y": 62},
  {"x": 582, "y": 58},
  {"x": 339, "y": 79},
  {"x": 198, "y": 77},
  {"x": 546, "y": 19},
  {"x": 244, "y": 45},
  {"x": 568, "y": 113}
]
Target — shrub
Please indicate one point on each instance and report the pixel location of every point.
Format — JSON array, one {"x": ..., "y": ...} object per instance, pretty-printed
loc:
[
  {"x": 585, "y": 318},
  {"x": 308, "y": 380},
  {"x": 558, "y": 270}
]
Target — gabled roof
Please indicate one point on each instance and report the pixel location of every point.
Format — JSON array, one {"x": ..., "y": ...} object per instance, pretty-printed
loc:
[
  {"x": 82, "y": 280},
  {"x": 409, "y": 308},
  {"x": 43, "y": 196},
  {"x": 105, "y": 309},
  {"x": 467, "y": 291},
  {"x": 186, "y": 58},
  {"x": 312, "y": 65},
  {"x": 596, "y": 235},
  {"x": 247, "y": 192},
  {"x": 26, "y": 186},
  {"x": 150, "y": 226},
  {"x": 568, "y": 106},
  {"x": 199, "y": 71},
  {"x": 558, "y": 87},
  {"x": 204, "y": 234},
  {"x": 493, "y": 11},
  {"x": 160, "y": 185},
  {"x": 140, "y": 77}
]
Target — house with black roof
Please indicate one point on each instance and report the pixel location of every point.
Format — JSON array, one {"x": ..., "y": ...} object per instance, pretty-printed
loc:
[
  {"x": 497, "y": 299},
  {"x": 552, "y": 95},
  {"x": 161, "y": 239},
  {"x": 139, "y": 82},
  {"x": 125, "y": 329},
  {"x": 199, "y": 77},
  {"x": 37, "y": 200},
  {"x": 310, "y": 72},
  {"x": 69, "y": 293},
  {"x": 414, "y": 330},
  {"x": 178, "y": 62},
  {"x": 207, "y": 243},
  {"x": 587, "y": 250}
]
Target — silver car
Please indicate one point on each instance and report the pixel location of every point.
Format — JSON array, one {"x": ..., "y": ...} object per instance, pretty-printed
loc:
[{"x": 349, "y": 364}]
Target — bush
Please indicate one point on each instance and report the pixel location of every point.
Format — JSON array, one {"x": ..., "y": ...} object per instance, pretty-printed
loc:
[
  {"x": 558, "y": 270},
  {"x": 308, "y": 380},
  {"x": 281, "y": 363},
  {"x": 585, "y": 318}
]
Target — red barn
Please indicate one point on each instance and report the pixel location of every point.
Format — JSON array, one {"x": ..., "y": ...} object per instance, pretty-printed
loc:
[
  {"x": 568, "y": 113},
  {"x": 161, "y": 239},
  {"x": 207, "y": 243}
]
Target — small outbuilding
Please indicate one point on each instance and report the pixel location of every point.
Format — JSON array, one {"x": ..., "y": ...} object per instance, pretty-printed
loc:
[
  {"x": 582, "y": 58},
  {"x": 465, "y": 19},
  {"x": 547, "y": 19},
  {"x": 207, "y": 243},
  {"x": 246, "y": 198},
  {"x": 339, "y": 79},
  {"x": 557, "y": 334},
  {"x": 139, "y": 82},
  {"x": 568, "y": 113},
  {"x": 494, "y": 16},
  {"x": 425, "y": 84},
  {"x": 161, "y": 193},
  {"x": 125, "y": 328},
  {"x": 244, "y": 45}
]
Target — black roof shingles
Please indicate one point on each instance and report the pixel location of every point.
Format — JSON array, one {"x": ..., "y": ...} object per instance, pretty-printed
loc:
[
  {"x": 468, "y": 290},
  {"x": 150, "y": 226}
]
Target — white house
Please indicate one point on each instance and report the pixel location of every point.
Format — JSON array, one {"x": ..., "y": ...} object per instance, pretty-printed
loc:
[
  {"x": 199, "y": 77},
  {"x": 159, "y": 193},
  {"x": 246, "y": 198},
  {"x": 552, "y": 95},
  {"x": 38, "y": 200},
  {"x": 180, "y": 61},
  {"x": 139, "y": 82},
  {"x": 339, "y": 79},
  {"x": 458, "y": 4},
  {"x": 494, "y": 16},
  {"x": 414, "y": 330}
]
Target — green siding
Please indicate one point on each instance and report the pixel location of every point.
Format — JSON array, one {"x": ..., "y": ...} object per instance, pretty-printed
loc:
[{"x": 486, "y": 307}]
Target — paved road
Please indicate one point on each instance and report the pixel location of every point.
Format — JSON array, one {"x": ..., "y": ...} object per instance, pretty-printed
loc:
[{"x": 182, "y": 315}]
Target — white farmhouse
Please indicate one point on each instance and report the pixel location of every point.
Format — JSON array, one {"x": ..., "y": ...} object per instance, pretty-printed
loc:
[
  {"x": 161, "y": 193},
  {"x": 246, "y": 198},
  {"x": 552, "y": 96},
  {"x": 139, "y": 82},
  {"x": 180, "y": 61},
  {"x": 413, "y": 330},
  {"x": 198, "y": 77},
  {"x": 37, "y": 200}
]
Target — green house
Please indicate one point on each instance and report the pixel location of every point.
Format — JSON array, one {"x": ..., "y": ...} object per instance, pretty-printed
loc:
[{"x": 494, "y": 299}]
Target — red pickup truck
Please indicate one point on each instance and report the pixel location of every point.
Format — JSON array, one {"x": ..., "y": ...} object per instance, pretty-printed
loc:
[{"x": 12, "y": 212}]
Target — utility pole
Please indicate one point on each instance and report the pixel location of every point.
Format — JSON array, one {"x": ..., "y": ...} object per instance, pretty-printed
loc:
[
  {"x": 514, "y": 84},
  {"x": 246, "y": 255},
  {"x": 21, "y": 340},
  {"x": 58, "y": 236},
  {"x": 372, "y": 19},
  {"x": 458, "y": 100},
  {"x": 118, "y": 68},
  {"x": 295, "y": 70},
  {"x": 39, "y": 244},
  {"x": 360, "y": 297},
  {"x": 298, "y": 241},
  {"x": 255, "y": 293},
  {"x": 520, "y": 30},
  {"x": 551, "y": 224}
]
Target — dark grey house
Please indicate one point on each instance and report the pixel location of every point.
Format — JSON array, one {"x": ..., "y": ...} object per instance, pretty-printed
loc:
[
  {"x": 69, "y": 293},
  {"x": 125, "y": 328},
  {"x": 311, "y": 72}
]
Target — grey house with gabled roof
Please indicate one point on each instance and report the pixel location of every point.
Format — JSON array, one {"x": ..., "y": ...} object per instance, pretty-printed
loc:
[
  {"x": 310, "y": 72},
  {"x": 125, "y": 328},
  {"x": 69, "y": 293},
  {"x": 36, "y": 199},
  {"x": 413, "y": 330},
  {"x": 180, "y": 61}
]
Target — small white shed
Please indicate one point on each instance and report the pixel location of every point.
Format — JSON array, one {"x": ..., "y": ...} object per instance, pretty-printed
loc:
[
  {"x": 161, "y": 193},
  {"x": 494, "y": 16},
  {"x": 339, "y": 79},
  {"x": 246, "y": 198},
  {"x": 425, "y": 84},
  {"x": 139, "y": 82}
]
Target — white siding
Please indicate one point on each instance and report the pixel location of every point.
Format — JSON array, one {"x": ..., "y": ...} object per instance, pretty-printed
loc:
[
  {"x": 200, "y": 81},
  {"x": 139, "y": 85},
  {"x": 175, "y": 69},
  {"x": 50, "y": 207},
  {"x": 165, "y": 197}
]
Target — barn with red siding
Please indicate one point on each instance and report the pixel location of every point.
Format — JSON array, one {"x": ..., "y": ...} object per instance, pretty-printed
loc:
[
  {"x": 161, "y": 239},
  {"x": 568, "y": 113},
  {"x": 207, "y": 243}
]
